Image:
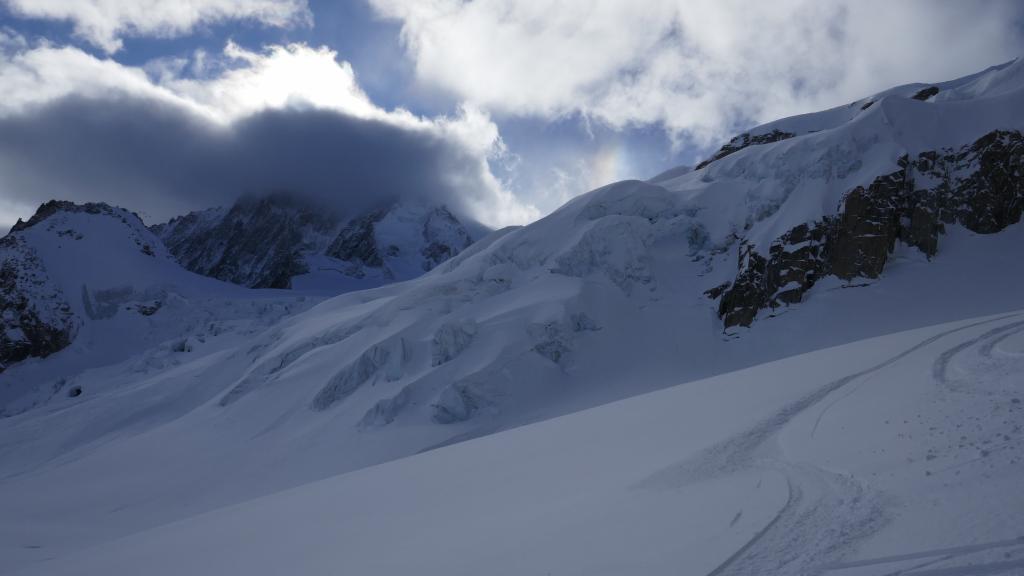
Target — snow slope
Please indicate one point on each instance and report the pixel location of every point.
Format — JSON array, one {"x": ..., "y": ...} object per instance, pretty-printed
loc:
[
  {"x": 869, "y": 458},
  {"x": 602, "y": 300},
  {"x": 158, "y": 444}
]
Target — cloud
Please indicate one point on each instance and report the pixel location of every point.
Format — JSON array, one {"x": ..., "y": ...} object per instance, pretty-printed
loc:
[
  {"x": 104, "y": 22},
  {"x": 699, "y": 68},
  {"x": 289, "y": 117},
  {"x": 133, "y": 151}
]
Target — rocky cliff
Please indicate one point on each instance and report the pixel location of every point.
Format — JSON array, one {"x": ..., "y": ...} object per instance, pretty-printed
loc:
[
  {"x": 265, "y": 242},
  {"x": 979, "y": 186},
  {"x": 258, "y": 242},
  {"x": 35, "y": 317}
]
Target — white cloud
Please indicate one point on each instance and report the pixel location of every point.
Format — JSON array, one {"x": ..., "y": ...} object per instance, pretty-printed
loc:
[
  {"x": 11, "y": 40},
  {"x": 30, "y": 78},
  {"x": 697, "y": 67},
  {"x": 275, "y": 78},
  {"x": 240, "y": 84},
  {"x": 104, "y": 22}
]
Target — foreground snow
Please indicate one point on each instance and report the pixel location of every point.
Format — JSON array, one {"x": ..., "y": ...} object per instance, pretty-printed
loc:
[{"x": 900, "y": 452}]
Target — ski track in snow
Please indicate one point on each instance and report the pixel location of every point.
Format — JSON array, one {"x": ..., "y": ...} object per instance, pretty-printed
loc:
[
  {"x": 942, "y": 554},
  {"x": 827, "y": 517},
  {"x": 826, "y": 512}
]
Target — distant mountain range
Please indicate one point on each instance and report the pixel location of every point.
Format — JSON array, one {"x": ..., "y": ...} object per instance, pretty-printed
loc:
[{"x": 70, "y": 263}]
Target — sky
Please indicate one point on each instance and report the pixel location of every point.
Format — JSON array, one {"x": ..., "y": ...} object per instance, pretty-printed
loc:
[{"x": 502, "y": 109}]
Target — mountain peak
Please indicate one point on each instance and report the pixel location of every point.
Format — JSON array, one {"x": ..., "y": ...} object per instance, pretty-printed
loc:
[
  {"x": 278, "y": 240},
  {"x": 51, "y": 207}
]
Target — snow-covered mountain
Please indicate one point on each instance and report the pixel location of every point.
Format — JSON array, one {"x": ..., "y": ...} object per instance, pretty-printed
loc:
[
  {"x": 97, "y": 271},
  {"x": 91, "y": 282},
  {"x": 833, "y": 225},
  {"x": 891, "y": 213},
  {"x": 281, "y": 241},
  {"x": 831, "y": 194},
  {"x": 70, "y": 263}
]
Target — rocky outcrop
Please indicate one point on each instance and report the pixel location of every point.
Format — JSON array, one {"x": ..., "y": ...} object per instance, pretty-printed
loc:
[
  {"x": 52, "y": 207},
  {"x": 262, "y": 242},
  {"x": 450, "y": 340},
  {"x": 357, "y": 241},
  {"x": 456, "y": 403},
  {"x": 742, "y": 141},
  {"x": 257, "y": 243},
  {"x": 926, "y": 93},
  {"x": 35, "y": 318},
  {"x": 979, "y": 186},
  {"x": 443, "y": 237}
]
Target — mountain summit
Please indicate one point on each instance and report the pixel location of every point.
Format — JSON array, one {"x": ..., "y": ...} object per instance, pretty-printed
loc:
[{"x": 281, "y": 241}]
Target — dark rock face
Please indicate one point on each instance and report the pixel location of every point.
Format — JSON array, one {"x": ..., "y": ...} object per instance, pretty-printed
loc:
[
  {"x": 35, "y": 318},
  {"x": 357, "y": 241},
  {"x": 52, "y": 207},
  {"x": 262, "y": 242},
  {"x": 443, "y": 236},
  {"x": 863, "y": 234},
  {"x": 442, "y": 233},
  {"x": 984, "y": 191},
  {"x": 979, "y": 186},
  {"x": 926, "y": 93},
  {"x": 258, "y": 243},
  {"x": 742, "y": 141}
]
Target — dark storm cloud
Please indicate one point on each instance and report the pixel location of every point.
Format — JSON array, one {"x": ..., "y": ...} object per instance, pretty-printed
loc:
[{"x": 162, "y": 160}]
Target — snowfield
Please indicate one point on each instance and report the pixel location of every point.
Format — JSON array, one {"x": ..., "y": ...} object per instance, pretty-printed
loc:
[{"x": 897, "y": 453}]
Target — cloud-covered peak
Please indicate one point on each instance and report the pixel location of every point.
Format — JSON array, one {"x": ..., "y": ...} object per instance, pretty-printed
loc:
[{"x": 176, "y": 136}]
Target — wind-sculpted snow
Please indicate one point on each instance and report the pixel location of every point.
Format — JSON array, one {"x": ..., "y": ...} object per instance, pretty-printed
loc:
[
  {"x": 450, "y": 340},
  {"x": 385, "y": 360},
  {"x": 456, "y": 403},
  {"x": 555, "y": 340},
  {"x": 614, "y": 247}
]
